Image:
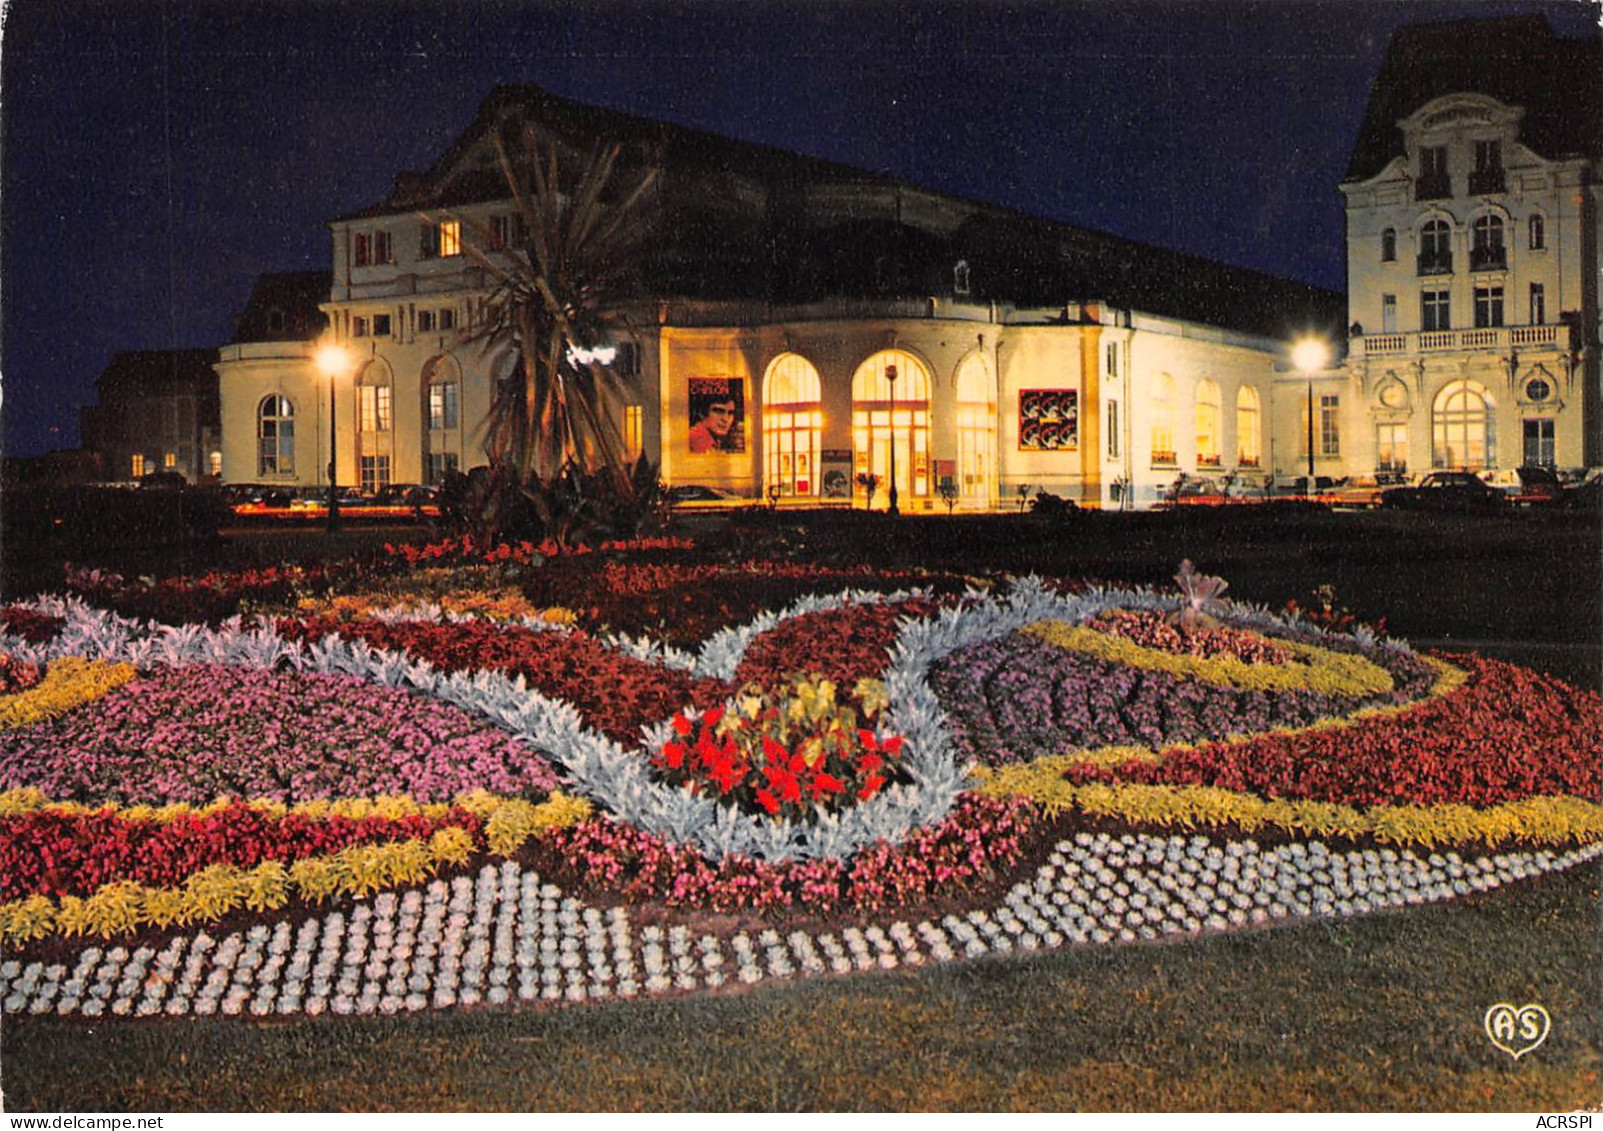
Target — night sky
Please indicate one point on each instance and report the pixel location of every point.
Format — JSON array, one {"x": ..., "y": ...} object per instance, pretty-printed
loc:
[{"x": 158, "y": 155}]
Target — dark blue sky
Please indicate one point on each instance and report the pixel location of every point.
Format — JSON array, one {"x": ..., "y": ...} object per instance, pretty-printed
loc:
[{"x": 158, "y": 154}]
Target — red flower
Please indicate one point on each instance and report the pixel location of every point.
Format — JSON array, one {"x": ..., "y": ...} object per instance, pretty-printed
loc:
[{"x": 768, "y": 801}]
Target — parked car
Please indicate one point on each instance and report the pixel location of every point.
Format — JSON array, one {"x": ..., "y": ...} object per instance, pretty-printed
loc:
[
  {"x": 1532, "y": 485},
  {"x": 1195, "y": 491},
  {"x": 1455, "y": 491},
  {"x": 695, "y": 494},
  {"x": 1588, "y": 493},
  {"x": 407, "y": 495},
  {"x": 1364, "y": 491},
  {"x": 163, "y": 481}
]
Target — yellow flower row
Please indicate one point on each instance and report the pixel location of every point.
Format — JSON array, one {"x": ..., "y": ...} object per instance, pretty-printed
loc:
[
  {"x": 1537, "y": 820},
  {"x": 494, "y": 605},
  {"x": 68, "y": 683},
  {"x": 220, "y": 889},
  {"x": 559, "y": 807},
  {"x": 1315, "y": 669}
]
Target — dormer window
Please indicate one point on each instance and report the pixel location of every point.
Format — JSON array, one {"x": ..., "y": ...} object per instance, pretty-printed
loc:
[
  {"x": 960, "y": 282},
  {"x": 1433, "y": 183},
  {"x": 1488, "y": 174}
]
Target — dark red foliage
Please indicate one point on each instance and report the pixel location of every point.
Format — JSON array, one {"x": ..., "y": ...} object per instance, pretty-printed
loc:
[
  {"x": 616, "y": 694},
  {"x": 34, "y": 627},
  {"x": 842, "y": 645},
  {"x": 55, "y": 854},
  {"x": 1506, "y": 735}
]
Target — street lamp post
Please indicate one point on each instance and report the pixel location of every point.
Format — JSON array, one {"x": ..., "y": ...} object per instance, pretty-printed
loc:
[
  {"x": 890, "y": 377},
  {"x": 1310, "y": 356},
  {"x": 333, "y": 361}
]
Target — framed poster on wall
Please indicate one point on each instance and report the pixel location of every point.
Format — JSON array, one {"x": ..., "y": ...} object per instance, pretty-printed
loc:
[
  {"x": 717, "y": 407},
  {"x": 1049, "y": 420}
]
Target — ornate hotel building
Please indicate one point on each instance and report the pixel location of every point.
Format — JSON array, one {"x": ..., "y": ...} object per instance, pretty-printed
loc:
[
  {"x": 803, "y": 323},
  {"x": 1473, "y": 229}
]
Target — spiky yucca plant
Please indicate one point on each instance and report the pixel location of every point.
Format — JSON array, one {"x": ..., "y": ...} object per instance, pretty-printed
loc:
[
  {"x": 552, "y": 431},
  {"x": 1200, "y": 597}
]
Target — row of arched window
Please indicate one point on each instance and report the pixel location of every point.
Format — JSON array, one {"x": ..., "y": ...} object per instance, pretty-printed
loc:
[
  {"x": 1208, "y": 419},
  {"x": 1487, "y": 241}
]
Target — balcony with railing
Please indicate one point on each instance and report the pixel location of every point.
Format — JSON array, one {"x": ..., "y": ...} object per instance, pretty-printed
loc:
[
  {"x": 1492, "y": 257},
  {"x": 1497, "y": 339},
  {"x": 1485, "y": 181},
  {"x": 1433, "y": 188},
  {"x": 1435, "y": 263}
]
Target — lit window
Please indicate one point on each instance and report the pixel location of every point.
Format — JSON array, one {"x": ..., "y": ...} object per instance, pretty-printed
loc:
[
  {"x": 792, "y": 426},
  {"x": 1391, "y": 446},
  {"x": 169, "y": 460},
  {"x": 1207, "y": 424},
  {"x": 1163, "y": 420},
  {"x": 443, "y": 411},
  {"x": 275, "y": 436},
  {"x": 375, "y": 405},
  {"x": 138, "y": 465},
  {"x": 450, "y": 238},
  {"x": 1461, "y": 427},
  {"x": 214, "y": 463},
  {"x": 1249, "y": 435},
  {"x": 1329, "y": 425},
  {"x": 634, "y": 431}
]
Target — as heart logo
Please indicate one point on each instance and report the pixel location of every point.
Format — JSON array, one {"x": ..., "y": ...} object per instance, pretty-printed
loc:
[{"x": 1517, "y": 1030}]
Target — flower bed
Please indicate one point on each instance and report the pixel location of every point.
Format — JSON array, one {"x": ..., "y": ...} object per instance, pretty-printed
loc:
[{"x": 202, "y": 731}]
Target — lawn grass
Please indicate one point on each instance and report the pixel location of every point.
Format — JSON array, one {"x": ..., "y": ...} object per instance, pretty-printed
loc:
[{"x": 1381, "y": 1012}]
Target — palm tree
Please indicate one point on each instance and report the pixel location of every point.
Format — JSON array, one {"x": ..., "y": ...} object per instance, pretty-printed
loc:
[{"x": 553, "y": 419}]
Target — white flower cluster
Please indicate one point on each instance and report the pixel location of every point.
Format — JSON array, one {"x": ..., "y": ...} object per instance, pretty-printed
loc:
[{"x": 506, "y": 935}]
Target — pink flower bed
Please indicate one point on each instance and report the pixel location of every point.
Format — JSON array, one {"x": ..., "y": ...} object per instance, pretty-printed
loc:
[{"x": 204, "y": 732}]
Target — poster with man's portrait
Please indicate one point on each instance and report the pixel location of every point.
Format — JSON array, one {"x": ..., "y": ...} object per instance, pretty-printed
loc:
[{"x": 717, "y": 415}]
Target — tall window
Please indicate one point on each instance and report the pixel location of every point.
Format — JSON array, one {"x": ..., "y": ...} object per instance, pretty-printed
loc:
[
  {"x": 275, "y": 436},
  {"x": 1391, "y": 446},
  {"x": 876, "y": 429},
  {"x": 1434, "y": 312},
  {"x": 634, "y": 431},
  {"x": 375, "y": 473},
  {"x": 362, "y": 250},
  {"x": 1461, "y": 427},
  {"x": 137, "y": 464},
  {"x": 1329, "y": 425},
  {"x": 1388, "y": 245},
  {"x": 1538, "y": 304},
  {"x": 1488, "y": 174},
  {"x": 1163, "y": 420},
  {"x": 376, "y": 406},
  {"x": 1537, "y": 232},
  {"x": 1207, "y": 424},
  {"x": 1539, "y": 449},
  {"x": 381, "y": 248},
  {"x": 1433, "y": 182},
  {"x": 1388, "y": 314},
  {"x": 1486, "y": 244},
  {"x": 1113, "y": 359},
  {"x": 1249, "y": 434},
  {"x": 440, "y": 465},
  {"x": 1435, "y": 248},
  {"x": 441, "y": 240},
  {"x": 1488, "y": 306},
  {"x": 443, "y": 411},
  {"x": 793, "y": 425},
  {"x": 1113, "y": 429},
  {"x": 976, "y": 431}
]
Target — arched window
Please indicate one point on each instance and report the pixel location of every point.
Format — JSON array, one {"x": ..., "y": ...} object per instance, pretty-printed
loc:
[
  {"x": 1486, "y": 251},
  {"x": 1462, "y": 427},
  {"x": 1435, "y": 247},
  {"x": 976, "y": 432},
  {"x": 442, "y": 418},
  {"x": 1163, "y": 420},
  {"x": 375, "y": 425},
  {"x": 877, "y": 429},
  {"x": 1537, "y": 231},
  {"x": 1388, "y": 245},
  {"x": 1249, "y": 440},
  {"x": 1208, "y": 422},
  {"x": 793, "y": 425},
  {"x": 275, "y": 436}
]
